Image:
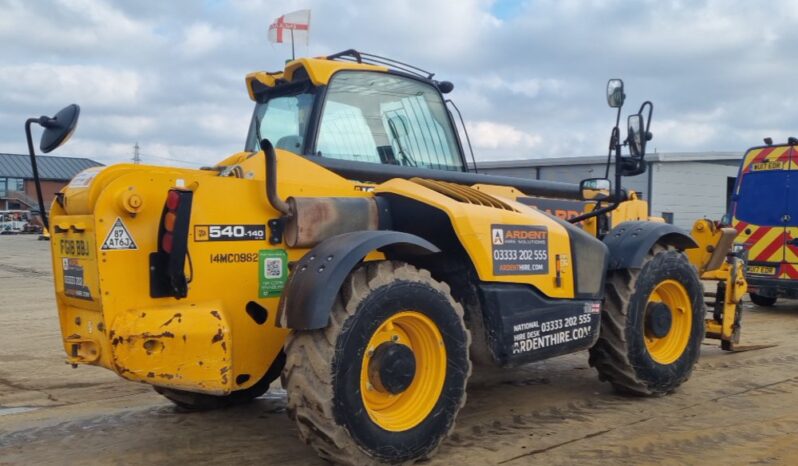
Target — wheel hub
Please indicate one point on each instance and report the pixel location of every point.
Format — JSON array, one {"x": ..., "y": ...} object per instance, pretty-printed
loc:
[
  {"x": 392, "y": 368},
  {"x": 658, "y": 319}
]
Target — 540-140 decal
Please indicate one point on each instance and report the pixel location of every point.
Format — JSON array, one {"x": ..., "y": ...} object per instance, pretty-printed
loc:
[{"x": 229, "y": 232}]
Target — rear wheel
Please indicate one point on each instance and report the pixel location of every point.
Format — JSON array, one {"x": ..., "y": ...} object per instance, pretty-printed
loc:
[
  {"x": 760, "y": 300},
  {"x": 652, "y": 325},
  {"x": 386, "y": 379},
  {"x": 192, "y": 401}
]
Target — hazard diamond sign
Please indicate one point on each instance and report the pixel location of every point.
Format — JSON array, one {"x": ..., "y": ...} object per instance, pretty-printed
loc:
[{"x": 118, "y": 238}]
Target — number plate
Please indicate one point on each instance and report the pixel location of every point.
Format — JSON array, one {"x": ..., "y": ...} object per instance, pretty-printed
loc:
[
  {"x": 74, "y": 248},
  {"x": 761, "y": 270}
]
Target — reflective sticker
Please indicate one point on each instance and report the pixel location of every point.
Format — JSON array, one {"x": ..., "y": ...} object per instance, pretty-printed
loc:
[
  {"x": 118, "y": 238},
  {"x": 84, "y": 178},
  {"x": 272, "y": 272}
]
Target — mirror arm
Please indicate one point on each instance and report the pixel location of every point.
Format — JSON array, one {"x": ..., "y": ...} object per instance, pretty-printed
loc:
[
  {"x": 595, "y": 213},
  {"x": 35, "y": 170},
  {"x": 650, "y": 111}
]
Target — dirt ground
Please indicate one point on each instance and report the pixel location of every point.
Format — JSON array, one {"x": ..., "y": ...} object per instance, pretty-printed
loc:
[{"x": 737, "y": 408}]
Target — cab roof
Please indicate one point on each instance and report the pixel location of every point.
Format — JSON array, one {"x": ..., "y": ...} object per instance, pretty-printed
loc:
[{"x": 320, "y": 69}]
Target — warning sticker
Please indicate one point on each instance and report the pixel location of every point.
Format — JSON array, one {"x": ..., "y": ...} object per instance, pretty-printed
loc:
[
  {"x": 520, "y": 249},
  {"x": 74, "y": 284},
  {"x": 272, "y": 272},
  {"x": 118, "y": 238}
]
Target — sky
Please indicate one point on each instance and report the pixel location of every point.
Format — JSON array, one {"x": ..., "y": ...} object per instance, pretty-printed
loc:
[{"x": 529, "y": 75}]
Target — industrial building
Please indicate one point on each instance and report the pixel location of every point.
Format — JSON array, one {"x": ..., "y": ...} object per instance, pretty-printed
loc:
[
  {"x": 17, "y": 189},
  {"x": 681, "y": 187}
]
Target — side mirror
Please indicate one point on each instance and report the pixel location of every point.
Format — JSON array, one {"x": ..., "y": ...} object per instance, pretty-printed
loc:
[
  {"x": 637, "y": 136},
  {"x": 595, "y": 189},
  {"x": 58, "y": 129},
  {"x": 615, "y": 95}
]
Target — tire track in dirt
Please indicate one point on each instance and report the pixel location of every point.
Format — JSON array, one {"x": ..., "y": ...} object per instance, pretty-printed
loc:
[
  {"x": 541, "y": 430},
  {"x": 28, "y": 272}
]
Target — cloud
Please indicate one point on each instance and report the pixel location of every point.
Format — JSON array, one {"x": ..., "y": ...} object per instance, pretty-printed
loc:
[
  {"x": 91, "y": 85},
  {"x": 529, "y": 76},
  {"x": 200, "y": 38},
  {"x": 491, "y": 135}
]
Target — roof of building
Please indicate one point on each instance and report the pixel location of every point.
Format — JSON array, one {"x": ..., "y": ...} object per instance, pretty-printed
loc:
[
  {"x": 601, "y": 159},
  {"x": 50, "y": 167}
]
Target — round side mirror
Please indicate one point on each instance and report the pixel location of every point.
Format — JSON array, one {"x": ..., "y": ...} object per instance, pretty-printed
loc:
[
  {"x": 615, "y": 95},
  {"x": 58, "y": 129}
]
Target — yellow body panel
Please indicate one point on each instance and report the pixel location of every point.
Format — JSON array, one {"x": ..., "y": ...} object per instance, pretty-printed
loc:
[
  {"x": 630, "y": 210},
  {"x": 187, "y": 343},
  {"x": 472, "y": 225}
]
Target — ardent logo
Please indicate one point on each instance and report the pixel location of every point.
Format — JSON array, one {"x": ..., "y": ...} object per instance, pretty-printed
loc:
[
  {"x": 523, "y": 234},
  {"x": 498, "y": 236}
]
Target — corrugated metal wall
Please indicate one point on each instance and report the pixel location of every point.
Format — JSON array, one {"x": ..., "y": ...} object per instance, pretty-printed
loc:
[{"x": 691, "y": 190}]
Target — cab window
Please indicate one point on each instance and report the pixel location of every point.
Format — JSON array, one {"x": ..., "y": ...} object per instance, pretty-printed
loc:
[
  {"x": 283, "y": 120},
  {"x": 383, "y": 118}
]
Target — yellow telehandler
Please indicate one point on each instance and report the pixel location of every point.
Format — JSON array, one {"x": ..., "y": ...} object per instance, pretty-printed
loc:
[{"x": 349, "y": 249}]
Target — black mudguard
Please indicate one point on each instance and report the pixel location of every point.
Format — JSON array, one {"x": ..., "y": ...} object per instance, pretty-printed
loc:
[
  {"x": 315, "y": 279},
  {"x": 629, "y": 242},
  {"x": 524, "y": 326}
]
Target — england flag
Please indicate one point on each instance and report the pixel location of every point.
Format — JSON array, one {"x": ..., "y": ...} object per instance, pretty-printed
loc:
[{"x": 291, "y": 27}]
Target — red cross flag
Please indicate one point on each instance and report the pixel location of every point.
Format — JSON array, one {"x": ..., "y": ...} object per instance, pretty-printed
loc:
[{"x": 294, "y": 27}]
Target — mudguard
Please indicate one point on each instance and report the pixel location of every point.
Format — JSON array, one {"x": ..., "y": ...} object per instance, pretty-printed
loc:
[
  {"x": 315, "y": 280},
  {"x": 629, "y": 242}
]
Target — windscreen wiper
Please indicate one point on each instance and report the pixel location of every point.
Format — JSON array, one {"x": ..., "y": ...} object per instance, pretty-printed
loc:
[{"x": 402, "y": 153}]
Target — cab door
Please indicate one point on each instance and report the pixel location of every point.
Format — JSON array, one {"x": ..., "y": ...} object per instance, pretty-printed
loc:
[
  {"x": 761, "y": 206},
  {"x": 789, "y": 268}
]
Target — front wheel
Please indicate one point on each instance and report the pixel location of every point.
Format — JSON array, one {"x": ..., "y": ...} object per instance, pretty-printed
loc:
[
  {"x": 386, "y": 379},
  {"x": 764, "y": 301},
  {"x": 652, "y": 325}
]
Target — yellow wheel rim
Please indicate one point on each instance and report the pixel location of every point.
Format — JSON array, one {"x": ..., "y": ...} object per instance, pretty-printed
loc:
[
  {"x": 405, "y": 410},
  {"x": 670, "y": 347}
]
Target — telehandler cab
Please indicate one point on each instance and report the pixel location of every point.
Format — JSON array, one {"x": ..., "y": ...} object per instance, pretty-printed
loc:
[{"x": 350, "y": 249}]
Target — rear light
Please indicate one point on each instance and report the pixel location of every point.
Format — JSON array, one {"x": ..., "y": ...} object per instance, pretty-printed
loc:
[
  {"x": 167, "y": 274},
  {"x": 166, "y": 243},
  {"x": 172, "y": 200}
]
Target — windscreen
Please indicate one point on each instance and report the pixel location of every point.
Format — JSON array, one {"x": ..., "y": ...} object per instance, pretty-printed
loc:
[{"x": 383, "y": 118}]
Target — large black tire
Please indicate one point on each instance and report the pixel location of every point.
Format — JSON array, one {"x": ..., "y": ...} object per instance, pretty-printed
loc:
[
  {"x": 323, "y": 369},
  {"x": 621, "y": 356},
  {"x": 764, "y": 301},
  {"x": 192, "y": 401}
]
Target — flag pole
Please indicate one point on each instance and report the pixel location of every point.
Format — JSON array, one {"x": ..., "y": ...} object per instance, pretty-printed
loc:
[{"x": 293, "y": 56}]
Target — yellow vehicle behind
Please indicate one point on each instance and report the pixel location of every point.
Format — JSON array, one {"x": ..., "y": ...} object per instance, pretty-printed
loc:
[{"x": 350, "y": 250}]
